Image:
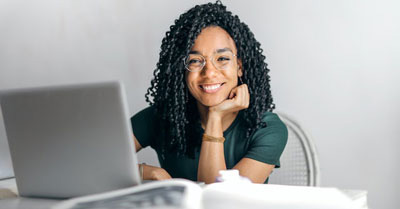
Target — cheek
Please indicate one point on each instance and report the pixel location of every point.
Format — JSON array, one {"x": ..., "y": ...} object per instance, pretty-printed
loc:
[
  {"x": 190, "y": 82},
  {"x": 232, "y": 78}
]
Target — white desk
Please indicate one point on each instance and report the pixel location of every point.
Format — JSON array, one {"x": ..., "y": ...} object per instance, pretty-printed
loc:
[{"x": 10, "y": 200}]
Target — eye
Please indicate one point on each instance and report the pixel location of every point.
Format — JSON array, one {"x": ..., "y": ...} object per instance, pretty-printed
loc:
[
  {"x": 194, "y": 61},
  {"x": 221, "y": 59}
]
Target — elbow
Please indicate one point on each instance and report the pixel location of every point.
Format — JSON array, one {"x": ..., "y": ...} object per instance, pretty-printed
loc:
[{"x": 206, "y": 180}]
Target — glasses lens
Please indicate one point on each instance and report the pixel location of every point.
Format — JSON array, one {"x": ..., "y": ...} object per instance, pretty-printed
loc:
[
  {"x": 194, "y": 62},
  {"x": 224, "y": 60}
]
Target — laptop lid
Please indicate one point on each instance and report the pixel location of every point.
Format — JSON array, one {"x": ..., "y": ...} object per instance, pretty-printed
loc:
[
  {"x": 72, "y": 140},
  {"x": 6, "y": 170}
]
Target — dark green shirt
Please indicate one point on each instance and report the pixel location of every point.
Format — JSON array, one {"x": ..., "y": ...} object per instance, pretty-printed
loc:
[{"x": 265, "y": 145}]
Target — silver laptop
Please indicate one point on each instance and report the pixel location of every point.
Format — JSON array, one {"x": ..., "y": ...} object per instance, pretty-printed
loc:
[
  {"x": 69, "y": 141},
  {"x": 6, "y": 170}
]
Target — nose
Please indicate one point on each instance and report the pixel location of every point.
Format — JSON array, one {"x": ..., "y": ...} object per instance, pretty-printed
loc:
[{"x": 209, "y": 70}]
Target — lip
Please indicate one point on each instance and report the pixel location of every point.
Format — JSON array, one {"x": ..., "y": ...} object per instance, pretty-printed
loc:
[{"x": 211, "y": 88}]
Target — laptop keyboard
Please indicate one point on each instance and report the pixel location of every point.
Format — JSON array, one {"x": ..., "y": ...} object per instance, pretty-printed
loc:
[{"x": 165, "y": 197}]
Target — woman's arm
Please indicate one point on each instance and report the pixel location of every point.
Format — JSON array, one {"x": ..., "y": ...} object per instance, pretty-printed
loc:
[
  {"x": 213, "y": 152},
  {"x": 154, "y": 173},
  {"x": 151, "y": 172},
  {"x": 255, "y": 170},
  {"x": 212, "y": 158},
  {"x": 137, "y": 145}
]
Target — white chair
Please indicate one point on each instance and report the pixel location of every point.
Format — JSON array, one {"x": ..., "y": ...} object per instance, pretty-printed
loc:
[{"x": 299, "y": 161}]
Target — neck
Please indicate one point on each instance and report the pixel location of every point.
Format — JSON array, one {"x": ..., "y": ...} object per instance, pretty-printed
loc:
[{"x": 227, "y": 119}]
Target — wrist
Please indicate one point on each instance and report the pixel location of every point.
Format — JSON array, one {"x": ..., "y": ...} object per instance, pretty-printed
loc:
[
  {"x": 213, "y": 126},
  {"x": 214, "y": 116},
  {"x": 213, "y": 111},
  {"x": 141, "y": 170},
  {"x": 208, "y": 138}
]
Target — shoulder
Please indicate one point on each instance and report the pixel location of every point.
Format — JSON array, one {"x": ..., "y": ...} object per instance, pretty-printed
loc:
[
  {"x": 144, "y": 126},
  {"x": 271, "y": 117},
  {"x": 274, "y": 133},
  {"x": 274, "y": 124},
  {"x": 267, "y": 143},
  {"x": 144, "y": 119},
  {"x": 147, "y": 112}
]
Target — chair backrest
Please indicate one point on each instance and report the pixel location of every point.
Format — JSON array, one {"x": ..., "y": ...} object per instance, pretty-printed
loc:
[{"x": 299, "y": 161}]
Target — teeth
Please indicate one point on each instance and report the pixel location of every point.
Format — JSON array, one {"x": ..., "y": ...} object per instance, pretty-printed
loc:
[{"x": 212, "y": 87}]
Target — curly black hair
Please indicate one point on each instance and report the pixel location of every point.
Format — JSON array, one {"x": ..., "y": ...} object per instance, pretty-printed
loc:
[{"x": 175, "y": 106}]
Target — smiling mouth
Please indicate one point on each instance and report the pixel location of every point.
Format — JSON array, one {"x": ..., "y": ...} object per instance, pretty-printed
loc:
[{"x": 211, "y": 88}]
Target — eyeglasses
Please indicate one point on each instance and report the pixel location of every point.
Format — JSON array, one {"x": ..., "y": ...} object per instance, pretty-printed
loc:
[{"x": 221, "y": 60}]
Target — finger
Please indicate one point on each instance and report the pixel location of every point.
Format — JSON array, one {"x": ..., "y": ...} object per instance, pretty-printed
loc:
[
  {"x": 243, "y": 96},
  {"x": 247, "y": 95},
  {"x": 239, "y": 96},
  {"x": 233, "y": 93},
  {"x": 166, "y": 175}
]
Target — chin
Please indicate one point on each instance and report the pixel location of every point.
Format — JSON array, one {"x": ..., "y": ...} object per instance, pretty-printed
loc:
[{"x": 211, "y": 102}]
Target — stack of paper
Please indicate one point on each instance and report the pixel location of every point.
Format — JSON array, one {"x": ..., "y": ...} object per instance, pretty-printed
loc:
[{"x": 229, "y": 195}]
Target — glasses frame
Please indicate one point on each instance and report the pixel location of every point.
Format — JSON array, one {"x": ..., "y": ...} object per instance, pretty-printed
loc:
[{"x": 205, "y": 62}]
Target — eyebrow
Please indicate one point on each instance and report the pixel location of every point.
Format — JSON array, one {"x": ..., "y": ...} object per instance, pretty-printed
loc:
[
  {"x": 224, "y": 50},
  {"x": 218, "y": 51}
]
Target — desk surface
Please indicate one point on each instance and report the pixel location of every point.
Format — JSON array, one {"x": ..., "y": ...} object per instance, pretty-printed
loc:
[{"x": 10, "y": 200}]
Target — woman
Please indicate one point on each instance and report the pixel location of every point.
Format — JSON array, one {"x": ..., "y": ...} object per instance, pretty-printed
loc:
[{"x": 212, "y": 106}]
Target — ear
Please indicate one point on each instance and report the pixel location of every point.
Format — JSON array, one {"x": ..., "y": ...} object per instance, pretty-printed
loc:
[{"x": 240, "y": 68}]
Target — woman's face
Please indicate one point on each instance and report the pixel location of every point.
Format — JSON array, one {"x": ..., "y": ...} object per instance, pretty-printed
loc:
[{"x": 212, "y": 85}]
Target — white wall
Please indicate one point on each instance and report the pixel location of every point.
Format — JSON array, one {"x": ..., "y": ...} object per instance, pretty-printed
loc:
[{"x": 333, "y": 67}]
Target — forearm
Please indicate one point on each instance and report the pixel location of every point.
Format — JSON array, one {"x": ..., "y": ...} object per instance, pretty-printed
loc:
[
  {"x": 147, "y": 171},
  {"x": 154, "y": 173},
  {"x": 212, "y": 158}
]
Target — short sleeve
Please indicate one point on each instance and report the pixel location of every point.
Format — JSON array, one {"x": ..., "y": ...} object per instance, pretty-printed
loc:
[
  {"x": 267, "y": 144},
  {"x": 144, "y": 126}
]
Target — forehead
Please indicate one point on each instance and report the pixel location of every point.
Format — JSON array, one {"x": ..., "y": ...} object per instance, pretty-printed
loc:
[{"x": 211, "y": 39}]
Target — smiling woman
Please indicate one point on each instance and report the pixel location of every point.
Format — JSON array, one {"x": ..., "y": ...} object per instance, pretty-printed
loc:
[
  {"x": 212, "y": 105},
  {"x": 212, "y": 83}
]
